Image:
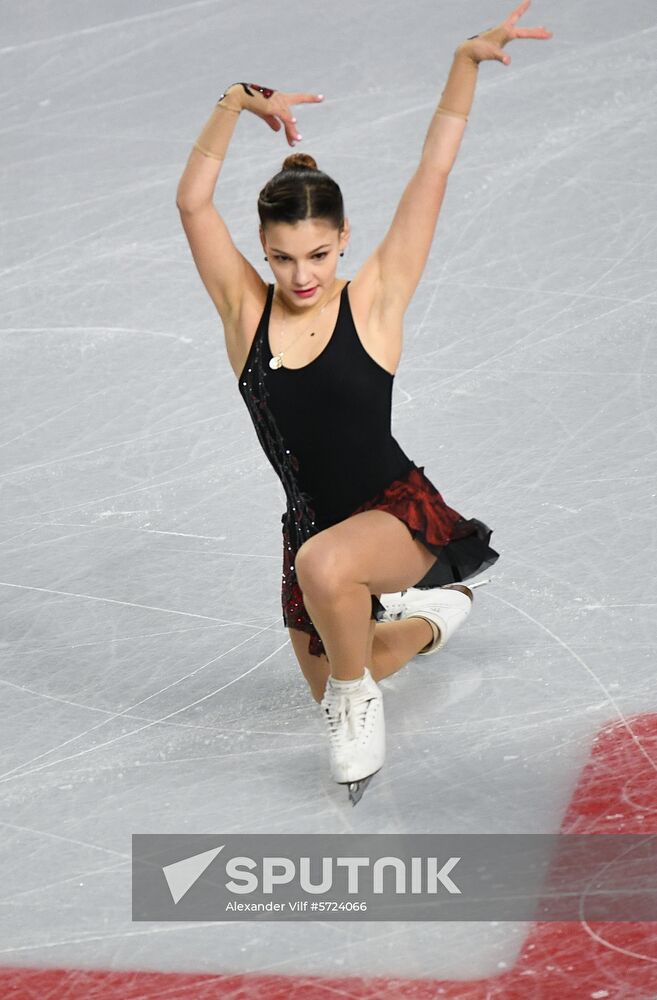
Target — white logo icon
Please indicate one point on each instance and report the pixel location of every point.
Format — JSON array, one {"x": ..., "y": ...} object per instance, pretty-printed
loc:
[{"x": 182, "y": 875}]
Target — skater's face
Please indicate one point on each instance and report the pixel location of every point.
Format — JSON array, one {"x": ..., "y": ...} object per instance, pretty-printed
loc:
[{"x": 303, "y": 256}]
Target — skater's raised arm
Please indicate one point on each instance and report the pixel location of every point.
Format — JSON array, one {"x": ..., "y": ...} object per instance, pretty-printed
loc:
[
  {"x": 219, "y": 262},
  {"x": 401, "y": 257}
]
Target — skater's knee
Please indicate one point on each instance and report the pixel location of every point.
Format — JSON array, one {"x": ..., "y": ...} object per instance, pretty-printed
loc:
[{"x": 318, "y": 571}]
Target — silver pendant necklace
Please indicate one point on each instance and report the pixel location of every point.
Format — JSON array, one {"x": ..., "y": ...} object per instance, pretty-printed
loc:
[{"x": 277, "y": 359}]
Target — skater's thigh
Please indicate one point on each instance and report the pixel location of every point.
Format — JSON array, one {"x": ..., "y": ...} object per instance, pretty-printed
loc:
[
  {"x": 316, "y": 669},
  {"x": 374, "y": 547}
]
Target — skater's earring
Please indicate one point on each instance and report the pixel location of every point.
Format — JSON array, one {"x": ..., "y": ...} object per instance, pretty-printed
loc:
[{"x": 266, "y": 258}]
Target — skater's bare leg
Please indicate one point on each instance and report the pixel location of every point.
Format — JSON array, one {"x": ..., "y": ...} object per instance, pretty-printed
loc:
[
  {"x": 339, "y": 569},
  {"x": 392, "y": 645},
  {"x": 315, "y": 669},
  {"x": 395, "y": 643}
]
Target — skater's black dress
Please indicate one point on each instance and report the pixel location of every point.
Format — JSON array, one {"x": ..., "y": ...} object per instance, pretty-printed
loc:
[{"x": 325, "y": 428}]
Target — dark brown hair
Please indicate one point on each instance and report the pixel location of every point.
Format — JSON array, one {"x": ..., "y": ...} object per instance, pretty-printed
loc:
[{"x": 300, "y": 190}]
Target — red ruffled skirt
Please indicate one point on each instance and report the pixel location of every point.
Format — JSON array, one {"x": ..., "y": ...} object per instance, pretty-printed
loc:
[{"x": 460, "y": 544}]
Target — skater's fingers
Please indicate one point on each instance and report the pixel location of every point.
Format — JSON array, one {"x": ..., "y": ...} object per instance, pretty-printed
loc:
[
  {"x": 532, "y": 33},
  {"x": 516, "y": 14},
  {"x": 302, "y": 98}
]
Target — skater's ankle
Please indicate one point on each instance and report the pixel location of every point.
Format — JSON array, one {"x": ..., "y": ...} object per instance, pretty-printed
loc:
[
  {"x": 434, "y": 630},
  {"x": 346, "y": 686}
]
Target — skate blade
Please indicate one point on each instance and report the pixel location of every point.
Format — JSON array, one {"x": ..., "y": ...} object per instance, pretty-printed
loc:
[
  {"x": 356, "y": 788},
  {"x": 466, "y": 583}
]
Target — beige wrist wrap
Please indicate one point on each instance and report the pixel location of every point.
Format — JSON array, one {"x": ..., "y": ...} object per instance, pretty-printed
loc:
[
  {"x": 216, "y": 134},
  {"x": 456, "y": 99}
]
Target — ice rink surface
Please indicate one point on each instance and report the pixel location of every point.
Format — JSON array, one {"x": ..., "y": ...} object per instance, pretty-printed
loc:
[{"x": 147, "y": 681}]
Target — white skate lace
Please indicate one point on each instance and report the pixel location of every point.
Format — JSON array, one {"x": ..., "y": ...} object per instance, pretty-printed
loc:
[{"x": 348, "y": 718}]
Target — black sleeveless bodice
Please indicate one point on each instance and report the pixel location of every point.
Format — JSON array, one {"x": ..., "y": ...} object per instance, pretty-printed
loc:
[{"x": 325, "y": 427}]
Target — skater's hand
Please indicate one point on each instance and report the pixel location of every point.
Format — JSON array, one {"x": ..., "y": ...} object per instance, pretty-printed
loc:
[
  {"x": 489, "y": 44},
  {"x": 273, "y": 106}
]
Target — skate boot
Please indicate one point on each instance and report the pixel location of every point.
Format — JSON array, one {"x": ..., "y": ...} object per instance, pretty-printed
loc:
[
  {"x": 446, "y": 608},
  {"x": 356, "y": 730}
]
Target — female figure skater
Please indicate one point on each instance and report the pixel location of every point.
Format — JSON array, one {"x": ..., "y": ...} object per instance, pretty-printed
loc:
[{"x": 315, "y": 358}]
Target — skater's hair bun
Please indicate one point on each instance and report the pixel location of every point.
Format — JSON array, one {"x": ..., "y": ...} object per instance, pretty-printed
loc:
[
  {"x": 300, "y": 161},
  {"x": 300, "y": 190}
]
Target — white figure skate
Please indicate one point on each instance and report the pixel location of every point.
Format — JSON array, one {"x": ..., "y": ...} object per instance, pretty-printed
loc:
[
  {"x": 446, "y": 607},
  {"x": 356, "y": 729}
]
